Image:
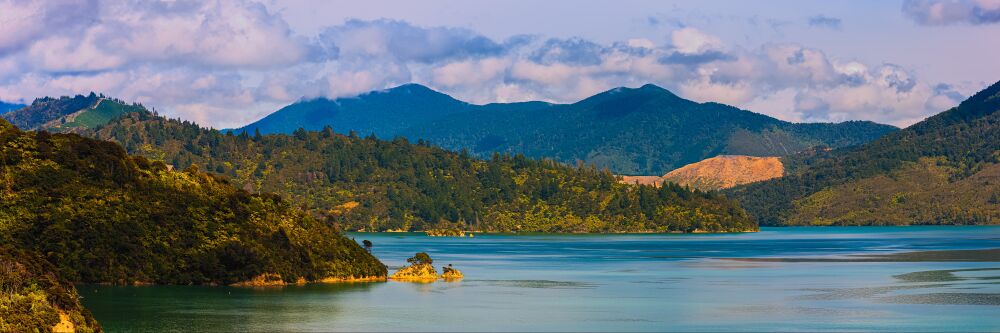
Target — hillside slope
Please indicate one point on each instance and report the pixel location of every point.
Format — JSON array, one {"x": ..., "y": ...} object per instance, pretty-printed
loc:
[
  {"x": 384, "y": 113},
  {"x": 33, "y": 298},
  {"x": 726, "y": 171},
  {"x": 44, "y": 110},
  {"x": 646, "y": 130},
  {"x": 942, "y": 170},
  {"x": 101, "y": 216},
  {"x": 376, "y": 185},
  {"x": 716, "y": 173}
]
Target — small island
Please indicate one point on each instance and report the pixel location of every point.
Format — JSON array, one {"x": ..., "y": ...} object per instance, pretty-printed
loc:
[{"x": 422, "y": 270}]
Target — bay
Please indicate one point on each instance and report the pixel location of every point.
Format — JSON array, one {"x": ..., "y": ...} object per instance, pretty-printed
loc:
[{"x": 780, "y": 279}]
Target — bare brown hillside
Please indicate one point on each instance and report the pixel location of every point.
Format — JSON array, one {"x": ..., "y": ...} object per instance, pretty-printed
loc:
[
  {"x": 726, "y": 171},
  {"x": 718, "y": 172}
]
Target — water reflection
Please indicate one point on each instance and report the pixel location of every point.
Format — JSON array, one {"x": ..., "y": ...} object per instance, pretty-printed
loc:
[{"x": 794, "y": 279}]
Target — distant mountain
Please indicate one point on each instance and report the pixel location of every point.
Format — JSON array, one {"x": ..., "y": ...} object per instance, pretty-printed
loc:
[
  {"x": 384, "y": 113},
  {"x": 370, "y": 184},
  {"x": 943, "y": 170},
  {"x": 8, "y": 107},
  {"x": 646, "y": 130}
]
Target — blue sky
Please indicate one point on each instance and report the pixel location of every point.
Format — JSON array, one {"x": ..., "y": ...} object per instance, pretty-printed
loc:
[{"x": 227, "y": 63}]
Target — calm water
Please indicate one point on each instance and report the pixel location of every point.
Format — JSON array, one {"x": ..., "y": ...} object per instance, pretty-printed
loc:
[{"x": 611, "y": 283}]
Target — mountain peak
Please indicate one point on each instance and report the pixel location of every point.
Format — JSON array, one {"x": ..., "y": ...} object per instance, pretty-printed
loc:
[
  {"x": 645, "y": 92},
  {"x": 652, "y": 87},
  {"x": 409, "y": 88}
]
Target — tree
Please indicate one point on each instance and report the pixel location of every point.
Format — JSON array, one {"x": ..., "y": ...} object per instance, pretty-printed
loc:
[
  {"x": 420, "y": 258},
  {"x": 368, "y": 245}
]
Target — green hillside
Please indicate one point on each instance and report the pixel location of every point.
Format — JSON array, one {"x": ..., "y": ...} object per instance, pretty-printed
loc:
[
  {"x": 102, "y": 112},
  {"x": 45, "y": 110},
  {"x": 34, "y": 299},
  {"x": 942, "y": 170},
  {"x": 102, "y": 216},
  {"x": 370, "y": 184}
]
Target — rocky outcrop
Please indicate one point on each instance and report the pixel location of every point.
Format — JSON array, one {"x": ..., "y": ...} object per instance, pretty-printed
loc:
[
  {"x": 451, "y": 274},
  {"x": 421, "y": 270},
  {"x": 416, "y": 273}
]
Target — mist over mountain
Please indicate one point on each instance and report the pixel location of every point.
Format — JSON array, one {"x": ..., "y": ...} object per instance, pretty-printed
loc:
[{"x": 645, "y": 130}]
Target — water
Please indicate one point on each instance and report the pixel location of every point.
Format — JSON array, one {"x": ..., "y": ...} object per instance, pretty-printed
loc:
[{"x": 613, "y": 283}]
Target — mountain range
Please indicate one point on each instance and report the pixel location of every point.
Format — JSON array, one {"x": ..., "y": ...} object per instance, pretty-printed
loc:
[
  {"x": 371, "y": 184},
  {"x": 8, "y": 107},
  {"x": 943, "y": 170},
  {"x": 633, "y": 131}
]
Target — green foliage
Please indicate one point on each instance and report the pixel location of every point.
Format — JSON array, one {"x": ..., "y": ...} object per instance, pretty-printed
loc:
[
  {"x": 32, "y": 296},
  {"x": 647, "y": 130},
  {"x": 375, "y": 185},
  {"x": 421, "y": 258},
  {"x": 101, "y": 113},
  {"x": 102, "y": 216},
  {"x": 965, "y": 141}
]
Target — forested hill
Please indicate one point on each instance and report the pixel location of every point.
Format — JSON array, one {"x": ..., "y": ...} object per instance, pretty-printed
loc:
[
  {"x": 370, "y": 184},
  {"x": 646, "y": 130},
  {"x": 943, "y": 170},
  {"x": 102, "y": 216},
  {"x": 44, "y": 110}
]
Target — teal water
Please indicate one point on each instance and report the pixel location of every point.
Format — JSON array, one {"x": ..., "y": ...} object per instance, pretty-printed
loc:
[{"x": 612, "y": 283}]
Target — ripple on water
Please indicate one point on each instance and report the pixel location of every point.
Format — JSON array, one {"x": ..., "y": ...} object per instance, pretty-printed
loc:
[
  {"x": 944, "y": 299},
  {"x": 538, "y": 284},
  {"x": 947, "y": 275}
]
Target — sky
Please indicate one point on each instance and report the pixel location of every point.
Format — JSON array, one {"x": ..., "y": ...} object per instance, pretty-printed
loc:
[{"x": 227, "y": 63}]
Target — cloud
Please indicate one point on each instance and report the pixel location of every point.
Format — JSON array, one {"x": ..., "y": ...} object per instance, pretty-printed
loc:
[
  {"x": 25, "y": 21},
  {"x": 825, "y": 22},
  {"x": 576, "y": 51},
  {"x": 226, "y": 63},
  {"x": 401, "y": 41},
  {"x": 693, "y": 41},
  {"x": 946, "y": 12}
]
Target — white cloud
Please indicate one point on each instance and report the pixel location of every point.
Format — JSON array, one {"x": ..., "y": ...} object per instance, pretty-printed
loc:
[
  {"x": 945, "y": 12},
  {"x": 693, "y": 41},
  {"x": 470, "y": 72},
  {"x": 225, "y": 63}
]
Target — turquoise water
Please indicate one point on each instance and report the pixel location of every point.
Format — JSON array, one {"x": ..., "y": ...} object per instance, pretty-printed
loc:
[{"x": 612, "y": 283}]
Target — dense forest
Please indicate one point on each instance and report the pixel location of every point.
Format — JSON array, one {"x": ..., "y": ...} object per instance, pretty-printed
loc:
[
  {"x": 33, "y": 298},
  {"x": 640, "y": 131},
  {"x": 102, "y": 216},
  {"x": 363, "y": 183},
  {"x": 942, "y": 170}
]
